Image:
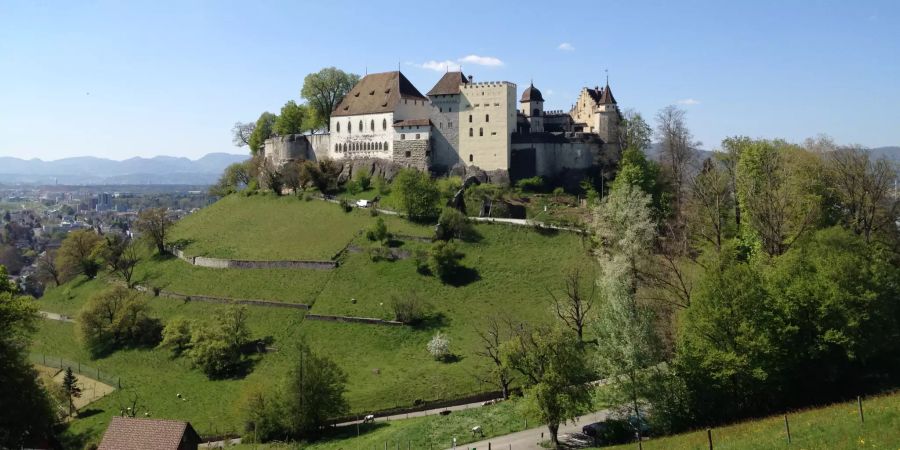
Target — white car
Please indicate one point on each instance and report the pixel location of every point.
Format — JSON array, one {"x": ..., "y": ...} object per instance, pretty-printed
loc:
[{"x": 362, "y": 203}]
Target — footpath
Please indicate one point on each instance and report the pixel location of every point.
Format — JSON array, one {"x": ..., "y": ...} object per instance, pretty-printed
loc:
[{"x": 530, "y": 439}]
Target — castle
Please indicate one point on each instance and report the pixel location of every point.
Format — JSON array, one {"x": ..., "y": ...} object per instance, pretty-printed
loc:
[{"x": 462, "y": 123}]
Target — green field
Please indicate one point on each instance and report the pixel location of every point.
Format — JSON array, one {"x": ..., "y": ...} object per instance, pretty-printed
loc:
[
  {"x": 508, "y": 271},
  {"x": 833, "y": 427},
  {"x": 266, "y": 227}
]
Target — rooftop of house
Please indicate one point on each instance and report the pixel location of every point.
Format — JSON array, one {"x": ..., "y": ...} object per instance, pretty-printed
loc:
[
  {"x": 449, "y": 84},
  {"x": 377, "y": 93},
  {"x": 125, "y": 433}
]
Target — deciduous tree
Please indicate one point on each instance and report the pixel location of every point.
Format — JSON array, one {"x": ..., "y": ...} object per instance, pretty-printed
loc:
[
  {"x": 78, "y": 254},
  {"x": 324, "y": 90},
  {"x": 573, "y": 307},
  {"x": 154, "y": 224}
]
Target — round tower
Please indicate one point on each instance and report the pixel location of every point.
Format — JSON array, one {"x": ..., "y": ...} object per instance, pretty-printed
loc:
[{"x": 533, "y": 108}]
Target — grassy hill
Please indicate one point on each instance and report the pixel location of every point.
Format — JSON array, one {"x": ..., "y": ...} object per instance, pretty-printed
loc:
[
  {"x": 508, "y": 271},
  {"x": 833, "y": 427}
]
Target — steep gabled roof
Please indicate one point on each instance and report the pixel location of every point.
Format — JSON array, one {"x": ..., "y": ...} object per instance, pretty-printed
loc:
[
  {"x": 377, "y": 93},
  {"x": 449, "y": 84},
  {"x": 125, "y": 433},
  {"x": 607, "y": 97}
]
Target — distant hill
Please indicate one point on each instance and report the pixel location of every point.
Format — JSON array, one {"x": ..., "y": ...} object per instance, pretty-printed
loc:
[
  {"x": 892, "y": 153},
  {"x": 91, "y": 170}
]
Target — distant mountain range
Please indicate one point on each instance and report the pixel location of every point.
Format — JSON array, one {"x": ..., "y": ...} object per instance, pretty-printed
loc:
[{"x": 88, "y": 170}]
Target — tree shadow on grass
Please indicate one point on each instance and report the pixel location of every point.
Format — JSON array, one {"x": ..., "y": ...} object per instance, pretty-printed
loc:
[
  {"x": 85, "y": 413},
  {"x": 544, "y": 231},
  {"x": 432, "y": 321},
  {"x": 462, "y": 276},
  {"x": 350, "y": 431}
]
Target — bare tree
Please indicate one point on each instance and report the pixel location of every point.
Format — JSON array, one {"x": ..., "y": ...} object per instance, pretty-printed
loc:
[
  {"x": 241, "y": 132},
  {"x": 710, "y": 203},
  {"x": 678, "y": 149},
  {"x": 47, "y": 268},
  {"x": 492, "y": 337},
  {"x": 573, "y": 308},
  {"x": 154, "y": 223},
  {"x": 863, "y": 187}
]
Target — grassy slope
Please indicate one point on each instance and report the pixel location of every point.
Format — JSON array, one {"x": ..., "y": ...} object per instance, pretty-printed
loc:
[
  {"x": 152, "y": 375},
  {"x": 266, "y": 227},
  {"x": 833, "y": 427}
]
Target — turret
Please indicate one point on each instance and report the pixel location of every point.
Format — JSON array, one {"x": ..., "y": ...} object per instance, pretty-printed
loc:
[{"x": 533, "y": 108}]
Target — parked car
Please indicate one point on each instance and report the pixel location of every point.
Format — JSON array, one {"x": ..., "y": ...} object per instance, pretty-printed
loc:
[{"x": 615, "y": 431}]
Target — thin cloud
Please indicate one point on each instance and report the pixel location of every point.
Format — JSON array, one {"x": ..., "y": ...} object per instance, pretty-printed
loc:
[
  {"x": 437, "y": 66},
  {"x": 688, "y": 102},
  {"x": 566, "y": 47},
  {"x": 489, "y": 61}
]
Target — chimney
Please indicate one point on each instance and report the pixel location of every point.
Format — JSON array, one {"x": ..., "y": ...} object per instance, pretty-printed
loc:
[{"x": 471, "y": 79}]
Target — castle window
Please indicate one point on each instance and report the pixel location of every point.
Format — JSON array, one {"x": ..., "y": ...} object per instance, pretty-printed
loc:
[
  {"x": 537, "y": 112},
  {"x": 470, "y": 118},
  {"x": 449, "y": 124},
  {"x": 407, "y": 154},
  {"x": 384, "y": 124},
  {"x": 471, "y": 132},
  {"x": 360, "y": 126},
  {"x": 441, "y": 125},
  {"x": 471, "y": 158},
  {"x": 349, "y": 127},
  {"x": 372, "y": 125},
  {"x": 402, "y": 136},
  {"x": 481, "y": 131},
  {"x": 405, "y": 102},
  {"x": 450, "y": 109},
  {"x": 427, "y": 153},
  {"x": 338, "y": 127},
  {"x": 417, "y": 136},
  {"x": 440, "y": 109},
  {"x": 487, "y": 117},
  {"x": 385, "y": 145}
]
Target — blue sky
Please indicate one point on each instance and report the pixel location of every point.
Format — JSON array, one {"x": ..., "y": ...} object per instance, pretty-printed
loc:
[{"x": 127, "y": 78}]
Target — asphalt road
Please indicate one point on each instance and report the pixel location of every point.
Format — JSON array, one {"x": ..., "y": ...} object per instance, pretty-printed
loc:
[{"x": 529, "y": 439}]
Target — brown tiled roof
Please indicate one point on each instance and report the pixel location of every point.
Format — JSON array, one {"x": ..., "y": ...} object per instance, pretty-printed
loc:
[
  {"x": 412, "y": 123},
  {"x": 125, "y": 433},
  {"x": 607, "y": 97},
  {"x": 449, "y": 84},
  {"x": 377, "y": 93},
  {"x": 532, "y": 94},
  {"x": 595, "y": 94}
]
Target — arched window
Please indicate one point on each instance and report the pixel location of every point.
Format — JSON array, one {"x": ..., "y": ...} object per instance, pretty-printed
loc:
[
  {"x": 349, "y": 127},
  {"x": 481, "y": 131},
  {"x": 384, "y": 124},
  {"x": 385, "y": 145},
  {"x": 360, "y": 126},
  {"x": 487, "y": 117},
  {"x": 372, "y": 125},
  {"x": 338, "y": 125},
  {"x": 470, "y": 118},
  {"x": 471, "y": 131},
  {"x": 471, "y": 158}
]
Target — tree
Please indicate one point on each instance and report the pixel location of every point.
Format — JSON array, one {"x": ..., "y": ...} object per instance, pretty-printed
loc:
[
  {"x": 732, "y": 147},
  {"x": 71, "y": 388},
  {"x": 6, "y": 285},
  {"x": 494, "y": 335},
  {"x": 217, "y": 349},
  {"x": 635, "y": 170},
  {"x": 324, "y": 90},
  {"x": 272, "y": 177},
  {"x": 28, "y": 416},
  {"x": 241, "y": 132},
  {"x": 636, "y": 132},
  {"x": 444, "y": 260},
  {"x": 78, "y": 254},
  {"x": 624, "y": 231},
  {"x": 154, "y": 224},
  {"x": 556, "y": 374},
  {"x": 121, "y": 257},
  {"x": 439, "y": 346},
  {"x": 454, "y": 224},
  {"x": 177, "y": 335},
  {"x": 410, "y": 309},
  {"x": 263, "y": 130},
  {"x": 292, "y": 120},
  {"x": 323, "y": 174},
  {"x": 291, "y": 176},
  {"x": 235, "y": 177},
  {"x": 574, "y": 307},
  {"x": 116, "y": 317},
  {"x": 47, "y": 268},
  {"x": 418, "y": 194},
  {"x": 864, "y": 189},
  {"x": 677, "y": 150},
  {"x": 313, "y": 394},
  {"x": 378, "y": 232},
  {"x": 710, "y": 203}
]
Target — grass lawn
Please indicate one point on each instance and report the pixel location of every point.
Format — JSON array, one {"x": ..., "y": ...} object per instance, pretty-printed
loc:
[
  {"x": 833, "y": 427},
  {"x": 266, "y": 227},
  {"x": 153, "y": 376}
]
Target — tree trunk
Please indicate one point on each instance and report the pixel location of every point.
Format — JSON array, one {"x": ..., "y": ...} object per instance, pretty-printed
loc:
[{"x": 554, "y": 430}]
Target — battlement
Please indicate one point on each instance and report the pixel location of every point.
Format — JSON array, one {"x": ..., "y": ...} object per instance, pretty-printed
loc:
[
  {"x": 484, "y": 84},
  {"x": 556, "y": 112}
]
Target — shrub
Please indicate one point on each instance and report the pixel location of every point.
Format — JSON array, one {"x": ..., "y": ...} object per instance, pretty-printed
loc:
[
  {"x": 211, "y": 353},
  {"x": 421, "y": 258},
  {"x": 439, "y": 347},
  {"x": 345, "y": 204},
  {"x": 380, "y": 253},
  {"x": 444, "y": 260},
  {"x": 177, "y": 335},
  {"x": 533, "y": 184},
  {"x": 116, "y": 318},
  {"x": 409, "y": 309},
  {"x": 378, "y": 232},
  {"x": 454, "y": 224},
  {"x": 418, "y": 194},
  {"x": 381, "y": 185}
]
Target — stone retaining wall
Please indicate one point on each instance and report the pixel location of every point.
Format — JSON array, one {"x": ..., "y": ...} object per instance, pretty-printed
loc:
[
  {"x": 363, "y": 320},
  {"x": 224, "y": 300},
  {"x": 219, "y": 263}
]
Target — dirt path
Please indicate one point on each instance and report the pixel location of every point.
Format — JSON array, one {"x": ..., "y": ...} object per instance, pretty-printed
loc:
[
  {"x": 530, "y": 439},
  {"x": 54, "y": 316}
]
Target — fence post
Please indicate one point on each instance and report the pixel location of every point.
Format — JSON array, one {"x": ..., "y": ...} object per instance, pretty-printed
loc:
[
  {"x": 787, "y": 428},
  {"x": 862, "y": 418},
  {"x": 45, "y": 358},
  {"x": 709, "y": 437}
]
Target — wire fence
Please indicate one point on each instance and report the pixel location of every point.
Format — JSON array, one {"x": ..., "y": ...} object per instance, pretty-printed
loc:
[{"x": 77, "y": 367}]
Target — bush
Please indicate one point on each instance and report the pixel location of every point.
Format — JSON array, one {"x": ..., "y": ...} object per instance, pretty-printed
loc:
[
  {"x": 439, "y": 347},
  {"x": 116, "y": 318},
  {"x": 345, "y": 204},
  {"x": 378, "y": 232},
  {"x": 177, "y": 335},
  {"x": 409, "y": 309},
  {"x": 217, "y": 349},
  {"x": 418, "y": 195},
  {"x": 454, "y": 224},
  {"x": 444, "y": 260},
  {"x": 533, "y": 184},
  {"x": 380, "y": 253},
  {"x": 421, "y": 258},
  {"x": 381, "y": 185}
]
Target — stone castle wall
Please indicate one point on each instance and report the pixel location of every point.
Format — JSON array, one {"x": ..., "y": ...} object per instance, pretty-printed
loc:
[{"x": 413, "y": 153}]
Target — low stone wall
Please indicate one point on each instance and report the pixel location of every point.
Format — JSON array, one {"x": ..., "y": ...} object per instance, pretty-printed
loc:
[
  {"x": 223, "y": 300},
  {"x": 363, "y": 320},
  {"x": 219, "y": 263}
]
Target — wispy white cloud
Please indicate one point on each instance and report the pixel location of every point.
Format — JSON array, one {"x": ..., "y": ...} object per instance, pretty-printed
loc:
[
  {"x": 489, "y": 61},
  {"x": 549, "y": 93},
  {"x": 688, "y": 101},
  {"x": 566, "y": 47},
  {"x": 443, "y": 66}
]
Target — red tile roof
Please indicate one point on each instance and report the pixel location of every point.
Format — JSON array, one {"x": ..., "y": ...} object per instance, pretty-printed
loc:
[
  {"x": 377, "y": 93},
  {"x": 449, "y": 84},
  {"x": 125, "y": 433}
]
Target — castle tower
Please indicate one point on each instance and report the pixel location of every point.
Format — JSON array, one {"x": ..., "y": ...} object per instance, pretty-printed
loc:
[
  {"x": 533, "y": 108},
  {"x": 608, "y": 118}
]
